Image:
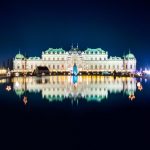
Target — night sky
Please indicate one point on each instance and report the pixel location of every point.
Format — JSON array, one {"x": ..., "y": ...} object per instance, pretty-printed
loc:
[{"x": 115, "y": 26}]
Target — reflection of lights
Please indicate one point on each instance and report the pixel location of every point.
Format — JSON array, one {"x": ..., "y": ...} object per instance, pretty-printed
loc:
[
  {"x": 3, "y": 71},
  {"x": 17, "y": 74},
  {"x": 17, "y": 84},
  {"x": 139, "y": 86},
  {"x": 139, "y": 73},
  {"x": 43, "y": 80},
  {"x": 132, "y": 97},
  {"x": 75, "y": 85},
  {"x": 8, "y": 88},
  {"x": 147, "y": 71},
  {"x": 89, "y": 85},
  {"x": 145, "y": 80},
  {"x": 25, "y": 100},
  {"x": 3, "y": 81}
]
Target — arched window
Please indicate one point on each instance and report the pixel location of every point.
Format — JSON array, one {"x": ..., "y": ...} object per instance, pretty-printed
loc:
[
  {"x": 130, "y": 66},
  {"x": 53, "y": 58},
  {"x": 53, "y": 66}
]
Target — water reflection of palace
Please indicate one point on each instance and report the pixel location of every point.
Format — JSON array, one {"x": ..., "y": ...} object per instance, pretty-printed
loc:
[{"x": 61, "y": 87}]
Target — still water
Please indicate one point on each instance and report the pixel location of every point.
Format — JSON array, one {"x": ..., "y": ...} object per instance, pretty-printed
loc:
[
  {"x": 74, "y": 92},
  {"x": 81, "y": 112}
]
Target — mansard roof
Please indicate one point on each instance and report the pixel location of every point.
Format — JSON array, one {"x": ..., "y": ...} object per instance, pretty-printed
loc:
[
  {"x": 54, "y": 51},
  {"x": 34, "y": 58},
  {"x": 95, "y": 51}
]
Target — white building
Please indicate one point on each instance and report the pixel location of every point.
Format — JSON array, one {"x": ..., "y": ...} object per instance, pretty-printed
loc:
[{"x": 90, "y": 60}]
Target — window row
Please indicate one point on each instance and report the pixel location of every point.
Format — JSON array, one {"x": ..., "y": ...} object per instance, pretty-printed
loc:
[
  {"x": 98, "y": 58},
  {"x": 58, "y": 59}
]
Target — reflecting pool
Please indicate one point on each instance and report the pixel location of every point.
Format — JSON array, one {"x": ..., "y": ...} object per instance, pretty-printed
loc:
[
  {"x": 75, "y": 110},
  {"x": 76, "y": 90}
]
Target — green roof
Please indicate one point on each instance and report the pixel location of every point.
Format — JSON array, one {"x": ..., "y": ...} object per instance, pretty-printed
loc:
[
  {"x": 34, "y": 58},
  {"x": 19, "y": 92},
  {"x": 95, "y": 51},
  {"x": 19, "y": 56},
  {"x": 130, "y": 56},
  {"x": 54, "y": 51}
]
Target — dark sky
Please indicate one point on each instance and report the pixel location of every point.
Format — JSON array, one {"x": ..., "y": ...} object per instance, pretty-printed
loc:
[{"x": 116, "y": 26}]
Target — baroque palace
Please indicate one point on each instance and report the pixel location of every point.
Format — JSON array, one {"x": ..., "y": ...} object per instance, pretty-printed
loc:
[{"x": 89, "y": 60}]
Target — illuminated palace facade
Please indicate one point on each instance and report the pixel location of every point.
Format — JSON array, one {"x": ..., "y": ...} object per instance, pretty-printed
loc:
[{"x": 89, "y": 60}]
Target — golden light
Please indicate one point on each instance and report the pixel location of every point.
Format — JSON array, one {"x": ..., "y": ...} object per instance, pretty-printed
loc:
[
  {"x": 132, "y": 97},
  {"x": 25, "y": 100},
  {"x": 3, "y": 71},
  {"x": 8, "y": 88},
  {"x": 140, "y": 88}
]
